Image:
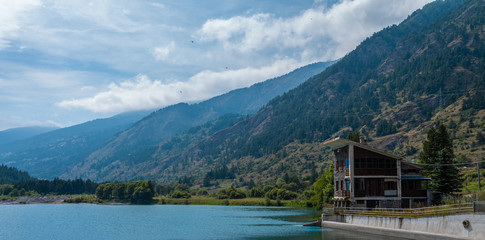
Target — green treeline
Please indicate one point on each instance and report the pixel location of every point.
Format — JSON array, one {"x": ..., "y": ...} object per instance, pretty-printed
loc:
[
  {"x": 12, "y": 175},
  {"x": 44, "y": 187},
  {"x": 289, "y": 187},
  {"x": 138, "y": 192},
  {"x": 58, "y": 186},
  {"x": 15, "y": 183}
]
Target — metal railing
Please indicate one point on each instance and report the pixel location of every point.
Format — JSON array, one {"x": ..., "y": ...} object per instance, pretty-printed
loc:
[{"x": 410, "y": 212}]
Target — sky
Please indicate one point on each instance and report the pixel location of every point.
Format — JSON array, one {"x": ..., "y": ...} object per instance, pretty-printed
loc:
[{"x": 65, "y": 62}]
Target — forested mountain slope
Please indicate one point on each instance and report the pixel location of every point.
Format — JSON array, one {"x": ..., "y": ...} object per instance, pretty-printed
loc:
[
  {"x": 21, "y": 133},
  {"x": 49, "y": 154},
  {"x": 170, "y": 121},
  {"x": 395, "y": 84}
]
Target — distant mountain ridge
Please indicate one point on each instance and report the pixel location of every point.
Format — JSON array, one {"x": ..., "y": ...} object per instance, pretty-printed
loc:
[
  {"x": 395, "y": 84},
  {"x": 48, "y": 155},
  {"x": 170, "y": 121},
  {"x": 55, "y": 153},
  {"x": 16, "y": 134}
]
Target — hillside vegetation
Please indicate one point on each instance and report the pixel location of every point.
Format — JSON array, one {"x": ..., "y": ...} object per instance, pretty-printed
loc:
[
  {"x": 397, "y": 83},
  {"x": 392, "y": 88}
]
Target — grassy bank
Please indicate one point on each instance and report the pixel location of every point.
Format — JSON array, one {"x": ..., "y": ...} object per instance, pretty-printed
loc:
[
  {"x": 206, "y": 200},
  {"x": 194, "y": 200}
]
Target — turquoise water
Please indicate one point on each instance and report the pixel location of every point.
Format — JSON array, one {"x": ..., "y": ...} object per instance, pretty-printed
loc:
[{"x": 86, "y": 221}]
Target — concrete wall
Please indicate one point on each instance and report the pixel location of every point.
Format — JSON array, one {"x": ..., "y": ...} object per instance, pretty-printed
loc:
[{"x": 451, "y": 225}]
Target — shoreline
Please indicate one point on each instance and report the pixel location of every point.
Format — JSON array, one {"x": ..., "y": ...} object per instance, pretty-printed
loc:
[
  {"x": 35, "y": 200},
  {"x": 195, "y": 200}
]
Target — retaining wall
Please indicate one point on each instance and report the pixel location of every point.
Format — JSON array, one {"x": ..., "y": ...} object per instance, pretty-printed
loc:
[{"x": 462, "y": 226}]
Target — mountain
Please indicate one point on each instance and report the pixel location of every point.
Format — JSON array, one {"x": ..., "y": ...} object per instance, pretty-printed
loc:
[
  {"x": 48, "y": 155},
  {"x": 55, "y": 153},
  {"x": 397, "y": 83},
  {"x": 16, "y": 134},
  {"x": 170, "y": 121}
]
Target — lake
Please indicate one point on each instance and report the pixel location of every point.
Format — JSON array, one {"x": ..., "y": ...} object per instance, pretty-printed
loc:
[{"x": 87, "y": 221}]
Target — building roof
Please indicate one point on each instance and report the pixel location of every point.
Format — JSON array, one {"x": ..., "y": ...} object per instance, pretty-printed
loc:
[
  {"x": 339, "y": 142},
  {"x": 415, "y": 177},
  {"x": 411, "y": 164}
]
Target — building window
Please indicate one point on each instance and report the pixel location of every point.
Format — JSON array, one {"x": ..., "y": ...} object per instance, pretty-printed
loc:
[
  {"x": 391, "y": 186},
  {"x": 359, "y": 184}
]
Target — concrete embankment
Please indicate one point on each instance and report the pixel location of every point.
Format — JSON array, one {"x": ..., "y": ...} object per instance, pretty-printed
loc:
[{"x": 462, "y": 226}]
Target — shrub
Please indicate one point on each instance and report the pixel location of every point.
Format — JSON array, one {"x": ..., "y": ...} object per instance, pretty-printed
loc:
[
  {"x": 179, "y": 194},
  {"x": 279, "y": 193},
  {"x": 255, "y": 192}
]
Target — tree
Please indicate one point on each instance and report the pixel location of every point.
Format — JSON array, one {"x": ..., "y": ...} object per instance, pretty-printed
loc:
[
  {"x": 437, "y": 140},
  {"x": 231, "y": 193},
  {"x": 206, "y": 181},
  {"x": 385, "y": 127},
  {"x": 144, "y": 192},
  {"x": 138, "y": 192},
  {"x": 256, "y": 192},
  {"x": 323, "y": 189},
  {"x": 354, "y": 136},
  {"x": 180, "y": 191},
  {"x": 439, "y": 157},
  {"x": 445, "y": 177}
]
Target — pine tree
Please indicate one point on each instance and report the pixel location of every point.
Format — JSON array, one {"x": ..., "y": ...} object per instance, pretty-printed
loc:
[
  {"x": 437, "y": 140},
  {"x": 445, "y": 177},
  {"x": 438, "y": 154}
]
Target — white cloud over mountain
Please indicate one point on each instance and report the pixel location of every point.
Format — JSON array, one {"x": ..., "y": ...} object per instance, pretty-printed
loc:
[
  {"x": 92, "y": 58},
  {"x": 144, "y": 93},
  {"x": 344, "y": 25}
]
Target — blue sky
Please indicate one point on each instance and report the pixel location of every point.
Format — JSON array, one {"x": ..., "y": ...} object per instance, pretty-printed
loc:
[{"x": 70, "y": 61}]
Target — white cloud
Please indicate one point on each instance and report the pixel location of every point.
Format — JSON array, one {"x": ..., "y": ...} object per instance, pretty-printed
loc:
[
  {"x": 10, "y": 18},
  {"x": 345, "y": 25},
  {"x": 144, "y": 93},
  {"x": 163, "y": 53},
  {"x": 109, "y": 15},
  {"x": 12, "y": 122},
  {"x": 74, "y": 49}
]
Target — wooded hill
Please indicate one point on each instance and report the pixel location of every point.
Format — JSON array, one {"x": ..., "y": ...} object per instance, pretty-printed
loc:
[
  {"x": 56, "y": 153},
  {"x": 397, "y": 83}
]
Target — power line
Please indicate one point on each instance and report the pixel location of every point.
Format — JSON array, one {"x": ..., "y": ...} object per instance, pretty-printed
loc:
[{"x": 446, "y": 164}]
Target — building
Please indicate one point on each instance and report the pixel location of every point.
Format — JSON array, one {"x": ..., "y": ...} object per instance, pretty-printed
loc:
[{"x": 367, "y": 177}]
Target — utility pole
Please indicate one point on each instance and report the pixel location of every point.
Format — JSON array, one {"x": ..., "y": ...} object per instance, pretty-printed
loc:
[{"x": 478, "y": 174}]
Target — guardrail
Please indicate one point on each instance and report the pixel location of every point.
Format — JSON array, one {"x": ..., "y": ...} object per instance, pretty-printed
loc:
[{"x": 410, "y": 212}]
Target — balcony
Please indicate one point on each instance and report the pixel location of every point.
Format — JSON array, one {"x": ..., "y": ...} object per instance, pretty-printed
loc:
[{"x": 342, "y": 193}]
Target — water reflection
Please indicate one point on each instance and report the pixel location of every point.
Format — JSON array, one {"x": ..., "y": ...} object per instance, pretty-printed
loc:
[
  {"x": 316, "y": 233},
  {"x": 156, "y": 222}
]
